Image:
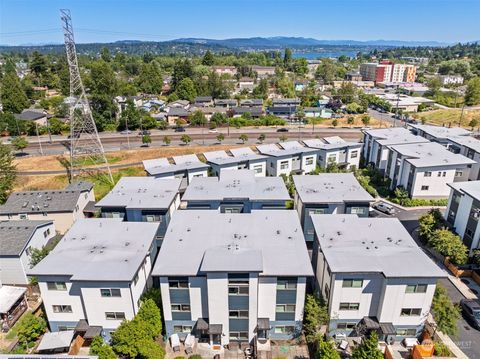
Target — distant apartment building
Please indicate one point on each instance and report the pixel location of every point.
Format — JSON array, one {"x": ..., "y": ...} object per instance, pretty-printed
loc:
[
  {"x": 241, "y": 158},
  {"x": 241, "y": 278},
  {"x": 328, "y": 193},
  {"x": 335, "y": 150},
  {"x": 63, "y": 207},
  {"x": 263, "y": 71},
  {"x": 373, "y": 276},
  {"x": 425, "y": 169},
  {"x": 446, "y": 80},
  {"x": 225, "y": 70},
  {"x": 97, "y": 274},
  {"x": 236, "y": 192},
  {"x": 463, "y": 212},
  {"x": 142, "y": 199},
  {"x": 376, "y": 141},
  {"x": 17, "y": 241},
  {"x": 387, "y": 71},
  {"x": 438, "y": 133},
  {"x": 288, "y": 157}
]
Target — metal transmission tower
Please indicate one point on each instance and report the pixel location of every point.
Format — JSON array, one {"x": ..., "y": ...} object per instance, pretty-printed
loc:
[{"x": 85, "y": 144}]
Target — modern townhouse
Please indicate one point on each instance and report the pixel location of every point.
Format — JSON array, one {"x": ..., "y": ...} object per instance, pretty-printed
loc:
[
  {"x": 425, "y": 169},
  {"x": 228, "y": 103},
  {"x": 203, "y": 101},
  {"x": 288, "y": 157},
  {"x": 437, "y": 133},
  {"x": 251, "y": 102},
  {"x": 373, "y": 276},
  {"x": 244, "y": 281},
  {"x": 242, "y": 158},
  {"x": 97, "y": 273},
  {"x": 286, "y": 102},
  {"x": 173, "y": 114},
  {"x": 63, "y": 207},
  {"x": 469, "y": 147},
  {"x": 463, "y": 212},
  {"x": 185, "y": 167},
  {"x": 236, "y": 192},
  {"x": 254, "y": 112},
  {"x": 143, "y": 199},
  {"x": 328, "y": 193},
  {"x": 17, "y": 240},
  {"x": 335, "y": 150},
  {"x": 375, "y": 144}
]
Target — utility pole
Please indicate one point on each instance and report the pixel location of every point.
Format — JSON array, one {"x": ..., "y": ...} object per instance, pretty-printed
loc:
[
  {"x": 85, "y": 143},
  {"x": 461, "y": 115},
  {"x": 38, "y": 137}
]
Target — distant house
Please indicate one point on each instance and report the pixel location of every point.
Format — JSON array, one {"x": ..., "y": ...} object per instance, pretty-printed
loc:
[
  {"x": 288, "y": 157},
  {"x": 228, "y": 103},
  {"x": 451, "y": 80},
  {"x": 353, "y": 76},
  {"x": 17, "y": 239},
  {"x": 317, "y": 112},
  {"x": 185, "y": 167},
  {"x": 255, "y": 112},
  {"x": 179, "y": 104},
  {"x": 236, "y": 192},
  {"x": 287, "y": 112},
  {"x": 142, "y": 199},
  {"x": 337, "y": 151},
  {"x": 37, "y": 116},
  {"x": 251, "y": 102},
  {"x": 225, "y": 70},
  {"x": 300, "y": 85},
  {"x": 176, "y": 113},
  {"x": 246, "y": 83},
  {"x": 242, "y": 158},
  {"x": 63, "y": 207},
  {"x": 209, "y": 111},
  {"x": 263, "y": 71},
  {"x": 203, "y": 101},
  {"x": 287, "y": 102},
  {"x": 328, "y": 193}
]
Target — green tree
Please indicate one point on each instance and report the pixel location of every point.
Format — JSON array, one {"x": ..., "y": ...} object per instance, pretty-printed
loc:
[
  {"x": 401, "y": 194},
  {"x": 218, "y": 118},
  {"x": 99, "y": 348},
  {"x": 186, "y": 90},
  {"x": 13, "y": 97},
  {"x": 350, "y": 120},
  {"x": 208, "y": 58},
  {"x": 315, "y": 315},
  {"x": 429, "y": 223},
  {"x": 326, "y": 349},
  {"x": 473, "y": 123},
  {"x": 153, "y": 294},
  {"x": 220, "y": 137},
  {"x": 368, "y": 349},
  {"x": 198, "y": 118},
  {"x": 445, "y": 313},
  {"x": 182, "y": 69},
  {"x": 130, "y": 118},
  {"x": 102, "y": 79},
  {"x": 29, "y": 329},
  {"x": 166, "y": 140},
  {"x": 261, "y": 138},
  {"x": 127, "y": 338},
  {"x": 20, "y": 143},
  {"x": 186, "y": 139},
  {"x": 449, "y": 244},
  {"x": 37, "y": 254},
  {"x": 150, "y": 78},
  {"x": 105, "y": 54},
  {"x": 146, "y": 140},
  {"x": 287, "y": 58},
  {"x": 326, "y": 71},
  {"x": 283, "y": 138},
  {"x": 150, "y": 313},
  {"x": 366, "y": 120},
  {"x": 472, "y": 94},
  {"x": 243, "y": 137},
  {"x": 335, "y": 123},
  {"x": 8, "y": 172}
]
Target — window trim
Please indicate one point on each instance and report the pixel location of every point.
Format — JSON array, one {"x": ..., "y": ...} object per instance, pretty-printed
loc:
[
  {"x": 115, "y": 316},
  {"x": 415, "y": 288},
  {"x": 182, "y": 307},
  {"x": 285, "y": 307},
  {"x": 55, "y": 286},
  {"x": 353, "y": 281},
  {"x": 62, "y": 308},
  {"x": 349, "y": 306},
  {"x": 111, "y": 291},
  {"x": 410, "y": 312}
]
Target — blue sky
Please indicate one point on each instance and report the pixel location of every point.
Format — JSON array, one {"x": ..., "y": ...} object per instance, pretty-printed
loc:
[{"x": 37, "y": 21}]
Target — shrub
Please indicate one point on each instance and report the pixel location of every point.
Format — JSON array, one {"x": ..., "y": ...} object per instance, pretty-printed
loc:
[
  {"x": 441, "y": 350},
  {"x": 450, "y": 245},
  {"x": 101, "y": 349},
  {"x": 29, "y": 329},
  {"x": 445, "y": 313}
]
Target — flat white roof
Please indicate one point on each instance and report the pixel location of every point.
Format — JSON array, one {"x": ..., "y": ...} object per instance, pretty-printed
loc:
[
  {"x": 470, "y": 188},
  {"x": 330, "y": 188},
  {"x": 430, "y": 154},
  {"x": 394, "y": 136},
  {"x": 98, "y": 249},
  {"x": 56, "y": 340},
  {"x": 331, "y": 143},
  {"x": 466, "y": 141},
  {"x": 290, "y": 148},
  {"x": 270, "y": 242},
  {"x": 352, "y": 244},
  {"x": 441, "y": 132},
  {"x": 223, "y": 158},
  {"x": 236, "y": 184},
  {"x": 142, "y": 193},
  {"x": 182, "y": 163}
]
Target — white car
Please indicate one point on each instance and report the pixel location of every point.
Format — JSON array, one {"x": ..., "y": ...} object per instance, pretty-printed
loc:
[
  {"x": 213, "y": 130},
  {"x": 384, "y": 207}
]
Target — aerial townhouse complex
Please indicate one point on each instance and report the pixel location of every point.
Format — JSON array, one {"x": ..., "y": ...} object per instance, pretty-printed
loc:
[
  {"x": 388, "y": 71},
  {"x": 328, "y": 193},
  {"x": 463, "y": 212},
  {"x": 335, "y": 150},
  {"x": 63, "y": 207},
  {"x": 97, "y": 274},
  {"x": 240, "y": 158},
  {"x": 236, "y": 192},
  {"x": 244, "y": 281},
  {"x": 372, "y": 275}
]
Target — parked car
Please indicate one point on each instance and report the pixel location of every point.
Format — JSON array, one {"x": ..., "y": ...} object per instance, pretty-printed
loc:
[
  {"x": 179, "y": 129},
  {"x": 283, "y": 129},
  {"x": 471, "y": 311},
  {"x": 126, "y": 132},
  {"x": 144, "y": 132},
  {"x": 213, "y": 130},
  {"x": 383, "y": 207}
]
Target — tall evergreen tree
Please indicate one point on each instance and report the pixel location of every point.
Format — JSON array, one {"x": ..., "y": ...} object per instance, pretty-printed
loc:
[
  {"x": 13, "y": 97},
  {"x": 368, "y": 349},
  {"x": 8, "y": 172}
]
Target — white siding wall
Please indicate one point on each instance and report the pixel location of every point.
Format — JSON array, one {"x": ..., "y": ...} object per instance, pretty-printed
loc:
[
  {"x": 309, "y": 168},
  {"x": 437, "y": 185},
  {"x": 198, "y": 297},
  {"x": 263, "y": 164},
  {"x": 301, "y": 288},
  {"x": 267, "y": 297},
  {"x": 217, "y": 286},
  {"x": 197, "y": 173},
  {"x": 252, "y": 304},
  {"x": 165, "y": 291}
]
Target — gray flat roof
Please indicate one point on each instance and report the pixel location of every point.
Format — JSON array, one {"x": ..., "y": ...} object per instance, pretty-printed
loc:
[
  {"x": 181, "y": 163},
  {"x": 15, "y": 235},
  {"x": 332, "y": 145},
  {"x": 330, "y": 188},
  {"x": 9, "y": 296},
  {"x": 352, "y": 244},
  {"x": 41, "y": 201},
  {"x": 442, "y": 132},
  {"x": 471, "y": 188},
  {"x": 270, "y": 242},
  {"x": 223, "y": 158},
  {"x": 99, "y": 250},
  {"x": 236, "y": 184},
  {"x": 289, "y": 148},
  {"x": 56, "y": 340},
  {"x": 394, "y": 136},
  {"x": 466, "y": 141},
  {"x": 430, "y": 154},
  {"x": 142, "y": 193}
]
